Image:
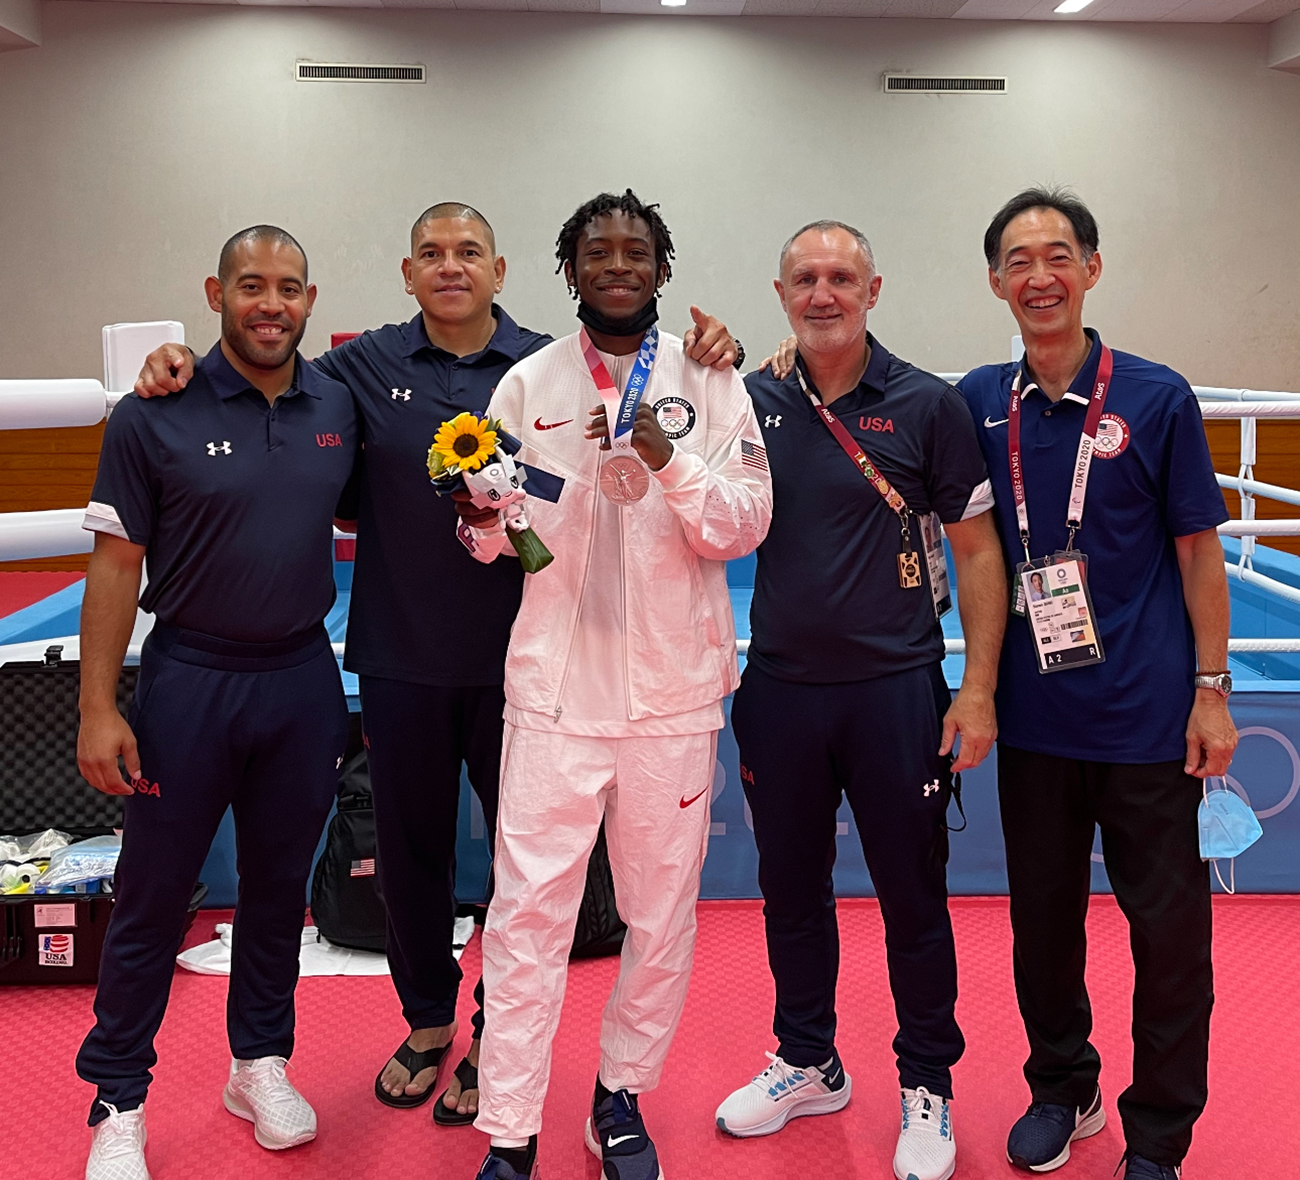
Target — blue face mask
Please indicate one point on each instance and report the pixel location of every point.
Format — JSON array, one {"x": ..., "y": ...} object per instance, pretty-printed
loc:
[{"x": 1227, "y": 827}]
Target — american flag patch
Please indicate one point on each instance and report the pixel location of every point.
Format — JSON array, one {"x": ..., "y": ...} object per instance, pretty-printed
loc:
[
  {"x": 753, "y": 455},
  {"x": 363, "y": 868}
]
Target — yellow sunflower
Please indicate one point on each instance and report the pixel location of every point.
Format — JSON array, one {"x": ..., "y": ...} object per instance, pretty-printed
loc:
[{"x": 465, "y": 442}]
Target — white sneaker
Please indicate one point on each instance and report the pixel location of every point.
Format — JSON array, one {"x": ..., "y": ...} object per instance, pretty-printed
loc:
[
  {"x": 259, "y": 1092},
  {"x": 783, "y": 1092},
  {"x": 117, "y": 1149},
  {"x": 926, "y": 1149}
]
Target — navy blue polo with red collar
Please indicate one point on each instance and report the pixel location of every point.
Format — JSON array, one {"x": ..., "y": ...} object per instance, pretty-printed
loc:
[
  {"x": 1151, "y": 480},
  {"x": 233, "y": 498},
  {"x": 423, "y": 610}
]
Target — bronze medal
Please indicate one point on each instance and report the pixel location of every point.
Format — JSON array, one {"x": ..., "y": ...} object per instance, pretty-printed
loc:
[{"x": 624, "y": 480}]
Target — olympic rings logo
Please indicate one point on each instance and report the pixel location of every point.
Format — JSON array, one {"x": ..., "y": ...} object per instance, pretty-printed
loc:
[
  {"x": 1234, "y": 784},
  {"x": 1286, "y": 744}
]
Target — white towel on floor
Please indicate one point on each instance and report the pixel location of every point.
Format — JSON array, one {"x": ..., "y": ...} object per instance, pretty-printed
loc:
[{"x": 317, "y": 957}]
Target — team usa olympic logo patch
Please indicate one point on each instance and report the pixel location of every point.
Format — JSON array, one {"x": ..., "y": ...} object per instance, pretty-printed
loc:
[
  {"x": 1112, "y": 437},
  {"x": 675, "y": 415}
]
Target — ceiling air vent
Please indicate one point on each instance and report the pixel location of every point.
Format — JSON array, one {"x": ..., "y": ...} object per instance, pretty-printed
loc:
[
  {"x": 329, "y": 71},
  {"x": 919, "y": 84}
]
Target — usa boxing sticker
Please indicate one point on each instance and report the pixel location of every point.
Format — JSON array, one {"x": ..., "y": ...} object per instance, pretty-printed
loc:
[
  {"x": 675, "y": 415},
  {"x": 1112, "y": 437},
  {"x": 54, "y": 950}
]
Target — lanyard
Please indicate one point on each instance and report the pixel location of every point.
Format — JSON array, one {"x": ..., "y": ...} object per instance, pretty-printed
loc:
[
  {"x": 620, "y": 411},
  {"x": 1083, "y": 458},
  {"x": 855, "y": 452}
]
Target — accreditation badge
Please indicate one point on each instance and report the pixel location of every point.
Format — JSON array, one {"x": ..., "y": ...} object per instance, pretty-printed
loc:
[
  {"x": 937, "y": 562},
  {"x": 1059, "y": 610}
]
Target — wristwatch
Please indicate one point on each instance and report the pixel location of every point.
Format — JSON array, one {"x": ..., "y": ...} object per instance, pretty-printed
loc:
[
  {"x": 740, "y": 354},
  {"x": 1221, "y": 682}
]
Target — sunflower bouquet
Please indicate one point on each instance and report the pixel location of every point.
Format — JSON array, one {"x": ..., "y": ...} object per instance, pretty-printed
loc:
[{"x": 467, "y": 452}]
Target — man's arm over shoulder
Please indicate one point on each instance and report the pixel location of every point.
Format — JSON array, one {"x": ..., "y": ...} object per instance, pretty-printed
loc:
[
  {"x": 723, "y": 497},
  {"x": 352, "y": 361}
]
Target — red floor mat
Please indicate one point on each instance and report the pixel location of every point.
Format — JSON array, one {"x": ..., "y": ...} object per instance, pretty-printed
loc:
[
  {"x": 20, "y": 588},
  {"x": 348, "y": 1026}
]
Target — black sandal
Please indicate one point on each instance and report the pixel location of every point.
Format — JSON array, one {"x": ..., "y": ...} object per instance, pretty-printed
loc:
[
  {"x": 414, "y": 1063},
  {"x": 467, "y": 1076}
]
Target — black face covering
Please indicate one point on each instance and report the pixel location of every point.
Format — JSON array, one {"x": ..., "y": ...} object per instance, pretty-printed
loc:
[{"x": 634, "y": 325}]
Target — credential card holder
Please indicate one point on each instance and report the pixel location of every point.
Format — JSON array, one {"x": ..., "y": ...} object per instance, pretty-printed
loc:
[{"x": 1059, "y": 610}]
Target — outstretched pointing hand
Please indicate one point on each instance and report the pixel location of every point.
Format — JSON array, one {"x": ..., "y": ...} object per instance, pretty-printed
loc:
[{"x": 709, "y": 343}]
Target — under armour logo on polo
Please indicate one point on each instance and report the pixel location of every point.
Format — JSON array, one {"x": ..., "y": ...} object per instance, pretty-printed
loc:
[
  {"x": 930, "y": 788},
  {"x": 772, "y": 420},
  {"x": 223, "y": 449},
  {"x": 404, "y": 394}
]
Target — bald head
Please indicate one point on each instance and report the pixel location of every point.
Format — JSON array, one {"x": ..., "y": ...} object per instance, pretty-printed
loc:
[{"x": 453, "y": 211}]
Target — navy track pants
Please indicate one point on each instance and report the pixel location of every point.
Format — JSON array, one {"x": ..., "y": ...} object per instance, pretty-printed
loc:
[
  {"x": 802, "y": 747},
  {"x": 260, "y": 728},
  {"x": 417, "y": 737}
]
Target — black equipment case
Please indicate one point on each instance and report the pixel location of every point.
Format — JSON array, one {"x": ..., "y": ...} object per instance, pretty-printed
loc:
[{"x": 52, "y": 938}]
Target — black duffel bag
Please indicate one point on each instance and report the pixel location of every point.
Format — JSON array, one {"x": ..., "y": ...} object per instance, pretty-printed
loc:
[
  {"x": 599, "y": 930},
  {"x": 346, "y": 905}
]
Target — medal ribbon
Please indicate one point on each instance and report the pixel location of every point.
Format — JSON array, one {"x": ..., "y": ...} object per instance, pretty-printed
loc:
[
  {"x": 620, "y": 411},
  {"x": 1083, "y": 457},
  {"x": 855, "y": 452}
]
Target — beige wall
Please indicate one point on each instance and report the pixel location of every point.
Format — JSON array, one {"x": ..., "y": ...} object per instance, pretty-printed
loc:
[{"x": 138, "y": 136}]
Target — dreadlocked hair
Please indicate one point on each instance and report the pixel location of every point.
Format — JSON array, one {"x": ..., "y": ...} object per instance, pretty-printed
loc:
[{"x": 566, "y": 245}]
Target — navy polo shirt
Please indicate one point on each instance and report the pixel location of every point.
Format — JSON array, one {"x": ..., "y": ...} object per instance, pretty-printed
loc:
[
  {"x": 827, "y": 605},
  {"x": 1151, "y": 481},
  {"x": 232, "y": 497},
  {"x": 423, "y": 610}
]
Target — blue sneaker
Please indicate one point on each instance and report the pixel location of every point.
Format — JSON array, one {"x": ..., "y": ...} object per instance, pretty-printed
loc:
[
  {"x": 496, "y": 1168},
  {"x": 1141, "y": 1168},
  {"x": 616, "y": 1135},
  {"x": 1040, "y": 1140}
]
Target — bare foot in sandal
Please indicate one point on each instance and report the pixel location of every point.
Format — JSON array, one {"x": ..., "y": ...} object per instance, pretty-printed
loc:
[
  {"x": 463, "y": 1101},
  {"x": 395, "y": 1077}
]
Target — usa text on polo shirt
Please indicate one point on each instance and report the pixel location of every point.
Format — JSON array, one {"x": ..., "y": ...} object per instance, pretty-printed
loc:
[
  {"x": 233, "y": 499},
  {"x": 828, "y": 607},
  {"x": 422, "y": 610},
  {"x": 1151, "y": 480}
]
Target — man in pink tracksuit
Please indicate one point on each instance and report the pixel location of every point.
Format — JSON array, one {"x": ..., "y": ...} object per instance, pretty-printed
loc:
[{"x": 620, "y": 658}]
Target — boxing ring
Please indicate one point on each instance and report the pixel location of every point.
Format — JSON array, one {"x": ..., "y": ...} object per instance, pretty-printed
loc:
[{"x": 1264, "y": 660}]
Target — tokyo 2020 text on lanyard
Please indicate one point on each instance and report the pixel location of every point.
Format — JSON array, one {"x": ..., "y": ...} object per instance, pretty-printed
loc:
[
  {"x": 624, "y": 479},
  {"x": 1053, "y": 590},
  {"x": 909, "y": 566}
]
